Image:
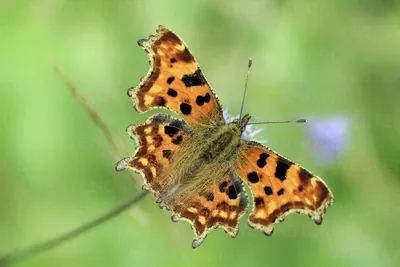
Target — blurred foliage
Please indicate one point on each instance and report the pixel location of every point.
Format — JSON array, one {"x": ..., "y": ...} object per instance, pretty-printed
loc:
[{"x": 311, "y": 59}]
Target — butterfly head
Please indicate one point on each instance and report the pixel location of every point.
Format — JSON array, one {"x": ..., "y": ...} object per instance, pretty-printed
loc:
[{"x": 239, "y": 125}]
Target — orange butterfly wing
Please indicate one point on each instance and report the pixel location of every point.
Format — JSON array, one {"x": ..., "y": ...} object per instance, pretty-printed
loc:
[
  {"x": 279, "y": 187},
  {"x": 222, "y": 206},
  {"x": 176, "y": 82},
  {"x": 159, "y": 141}
]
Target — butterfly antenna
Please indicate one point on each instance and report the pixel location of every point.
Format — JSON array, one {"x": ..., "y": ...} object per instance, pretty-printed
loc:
[
  {"x": 245, "y": 86},
  {"x": 270, "y": 122}
]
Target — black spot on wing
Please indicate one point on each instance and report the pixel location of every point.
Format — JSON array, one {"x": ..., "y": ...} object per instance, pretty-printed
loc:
[
  {"x": 207, "y": 98},
  {"x": 200, "y": 100},
  {"x": 166, "y": 153},
  {"x": 194, "y": 79},
  {"x": 281, "y": 169},
  {"x": 170, "y": 79},
  {"x": 268, "y": 190},
  {"x": 262, "y": 161},
  {"x": 172, "y": 92},
  {"x": 280, "y": 192},
  {"x": 259, "y": 201},
  {"x": 232, "y": 192},
  {"x": 185, "y": 108},
  {"x": 170, "y": 130},
  {"x": 253, "y": 177}
]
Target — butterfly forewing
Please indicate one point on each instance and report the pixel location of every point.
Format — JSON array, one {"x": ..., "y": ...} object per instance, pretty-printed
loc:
[{"x": 176, "y": 82}]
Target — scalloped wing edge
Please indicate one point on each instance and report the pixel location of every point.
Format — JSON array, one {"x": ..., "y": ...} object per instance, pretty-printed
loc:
[
  {"x": 122, "y": 164},
  {"x": 198, "y": 239},
  {"x": 315, "y": 215},
  {"x": 147, "y": 44}
]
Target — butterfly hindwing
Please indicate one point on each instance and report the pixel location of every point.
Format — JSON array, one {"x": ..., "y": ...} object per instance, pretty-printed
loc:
[
  {"x": 279, "y": 187},
  {"x": 158, "y": 140},
  {"x": 159, "y": 156},
  {"x": 176, "y": 82},
  {"x": 221, "y": 205}
]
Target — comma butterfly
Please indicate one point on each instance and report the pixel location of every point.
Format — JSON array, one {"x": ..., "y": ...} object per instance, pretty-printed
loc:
[{"x": 196, "y": 166}]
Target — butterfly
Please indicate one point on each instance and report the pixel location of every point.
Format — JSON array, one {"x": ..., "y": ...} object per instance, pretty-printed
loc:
[{"x": 197, "y": 166}]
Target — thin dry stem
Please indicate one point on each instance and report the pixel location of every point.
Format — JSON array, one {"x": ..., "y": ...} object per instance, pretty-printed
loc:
[
  {"x": 115, "y": 142},
  {"x": 118, "y": 150},
  {"x": 28, "y": 252}
]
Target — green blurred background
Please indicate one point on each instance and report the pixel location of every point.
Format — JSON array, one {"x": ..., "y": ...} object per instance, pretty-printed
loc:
[{"x": 312, "y": 59}]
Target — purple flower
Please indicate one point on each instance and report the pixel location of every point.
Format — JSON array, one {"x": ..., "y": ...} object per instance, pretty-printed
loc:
[{"x": 329, "y": 136}]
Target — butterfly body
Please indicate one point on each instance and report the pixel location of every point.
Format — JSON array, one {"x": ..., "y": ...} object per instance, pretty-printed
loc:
[
  {"x": 204, "y": 159},
  {"x": 196, "y": 166},
  {"x": 221, "y": 144}
]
